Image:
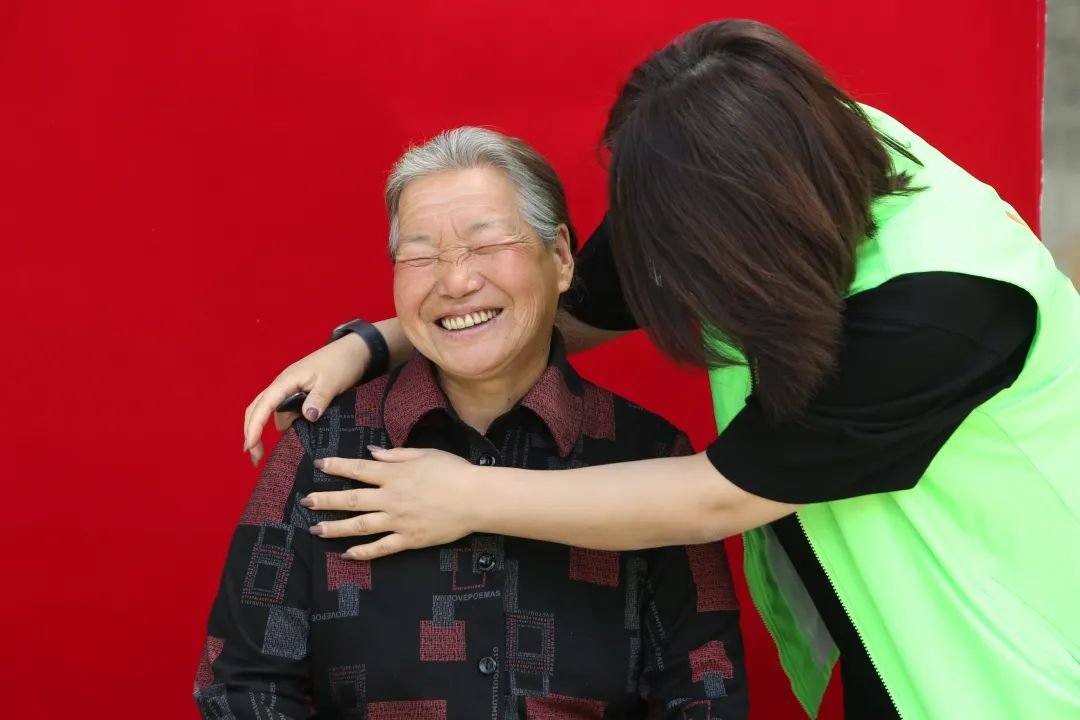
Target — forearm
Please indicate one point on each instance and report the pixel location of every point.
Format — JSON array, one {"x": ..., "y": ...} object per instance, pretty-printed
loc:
[
  {"x": 399, "y": 345},
  {"x": 359, "y": 354},
  {"x": 580, "y": 336},
  {"x": 622, "y": 506}
]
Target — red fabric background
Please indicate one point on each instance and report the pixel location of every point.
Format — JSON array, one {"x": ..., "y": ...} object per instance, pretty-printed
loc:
[{"x": 190, "y": 198}]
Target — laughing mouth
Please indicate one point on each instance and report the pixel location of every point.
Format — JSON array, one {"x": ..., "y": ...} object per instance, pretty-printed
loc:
[{"x": 469, "y": 320}]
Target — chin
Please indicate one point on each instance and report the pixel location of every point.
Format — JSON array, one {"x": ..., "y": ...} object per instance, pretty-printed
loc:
[{"x": 472, "y": 368}]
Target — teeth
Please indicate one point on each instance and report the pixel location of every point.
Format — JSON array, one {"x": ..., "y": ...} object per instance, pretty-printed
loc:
[{"x": 469, "y": 320}]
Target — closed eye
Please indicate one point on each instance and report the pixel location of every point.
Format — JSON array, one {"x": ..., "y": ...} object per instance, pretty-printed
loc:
[
  {"x": 489, "y": 248},
  {"x": 418, "y": 262}
]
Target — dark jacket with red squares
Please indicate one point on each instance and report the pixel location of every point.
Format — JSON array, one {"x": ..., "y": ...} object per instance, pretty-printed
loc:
[{"x": 487, "y": 627}]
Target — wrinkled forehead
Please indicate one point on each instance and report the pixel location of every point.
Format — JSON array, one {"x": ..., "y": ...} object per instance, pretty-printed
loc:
[{"x": 459, "y": 209}]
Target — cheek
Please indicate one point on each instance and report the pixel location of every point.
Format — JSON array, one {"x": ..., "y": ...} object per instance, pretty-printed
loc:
[
  {"x": 532, "y": 285},
  {"x": 409, "y": 296},
  {"x": 408, "y": 301}
]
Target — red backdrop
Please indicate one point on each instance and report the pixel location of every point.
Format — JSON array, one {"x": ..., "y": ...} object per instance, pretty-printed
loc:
[{"x": 190, "y": 198}]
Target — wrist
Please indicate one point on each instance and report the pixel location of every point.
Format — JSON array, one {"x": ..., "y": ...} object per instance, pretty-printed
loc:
[
  {"x": 479, "y": 498},
  {"x": 358, "y": 351},
  {"x": 377, "y": 360}
]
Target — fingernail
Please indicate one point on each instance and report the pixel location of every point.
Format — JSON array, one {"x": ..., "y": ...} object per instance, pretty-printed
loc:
[
  {"x": 375, "y": 449},
  {"x": 345, "y": 556},
  {"x": 312, "y": 414},
  {"x": 307, "y": 502},
  {"x": 316, "y": 530},
  {"x": 319, "y": 464}
]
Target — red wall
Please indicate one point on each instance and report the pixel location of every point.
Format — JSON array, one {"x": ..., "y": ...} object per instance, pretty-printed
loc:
[{"x": 190, "y": 198}]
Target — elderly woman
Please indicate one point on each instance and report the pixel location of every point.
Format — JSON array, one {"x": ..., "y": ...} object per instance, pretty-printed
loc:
[{"x": 489, "y": 626}]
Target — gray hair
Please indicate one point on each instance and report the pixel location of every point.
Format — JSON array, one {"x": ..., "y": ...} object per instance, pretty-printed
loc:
[{"x": 540, "y": 192}]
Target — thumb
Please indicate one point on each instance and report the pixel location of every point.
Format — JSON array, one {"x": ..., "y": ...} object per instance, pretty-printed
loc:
[
  {"x": 316, "y": 403},
  {"x": 282, "y": 421},
  {"x": 395, "y": 455}
]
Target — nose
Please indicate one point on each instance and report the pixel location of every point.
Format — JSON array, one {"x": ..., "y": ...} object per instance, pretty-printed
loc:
[{"x": 458, "y": 279}]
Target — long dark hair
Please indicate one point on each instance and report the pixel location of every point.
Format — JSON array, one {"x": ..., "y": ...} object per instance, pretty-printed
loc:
[{"x": 741, "y": 183}]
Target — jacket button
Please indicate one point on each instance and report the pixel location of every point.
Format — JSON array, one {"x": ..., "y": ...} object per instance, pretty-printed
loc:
[
  {"x": 488, "y": 666},
  {"x": 486, "y": 460},
  {"x": 486, "y": 562}
]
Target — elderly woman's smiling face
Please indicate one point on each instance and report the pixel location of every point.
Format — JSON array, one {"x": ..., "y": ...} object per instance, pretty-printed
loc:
[{"x": 476, "y": 290}]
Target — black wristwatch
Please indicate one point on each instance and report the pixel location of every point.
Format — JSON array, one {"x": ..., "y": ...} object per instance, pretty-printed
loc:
[{"x": 380, "y": 351}]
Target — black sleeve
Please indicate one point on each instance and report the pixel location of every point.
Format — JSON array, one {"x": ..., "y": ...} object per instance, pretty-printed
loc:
[
  {"x": 693, "y": 666},
  {"x": 255, "y": 663},
  {"x": 919, "y": 354},
  {"x": 596, "y": 298}
]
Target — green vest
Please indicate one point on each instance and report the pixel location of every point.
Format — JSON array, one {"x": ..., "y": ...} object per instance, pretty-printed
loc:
[{"x": 966, "y": 589}]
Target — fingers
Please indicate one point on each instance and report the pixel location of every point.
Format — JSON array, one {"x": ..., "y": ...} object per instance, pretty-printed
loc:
[
  {"x": 316, "y": 403},
  {"x": 389, "y": 545},
  {"x": 396, "y": 455},
  {"x": 262, "y": 407},
  {"x": 249, "y": 441},
  {"x": 371, "y": 523},
  {"x": 257, "y": 414},
  {"x": 359, "y": 500},
  {"x": 282, "y": 421},
  {"x": 365, "y": 471},
  {"x": 256, "y": 453}
]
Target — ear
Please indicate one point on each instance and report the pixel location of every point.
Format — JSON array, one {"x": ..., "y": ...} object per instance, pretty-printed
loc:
[{"x": 564, "y": 259}]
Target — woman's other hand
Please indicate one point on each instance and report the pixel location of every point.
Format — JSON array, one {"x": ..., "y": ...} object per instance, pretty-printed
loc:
[{"x": 323, "y": 375}]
